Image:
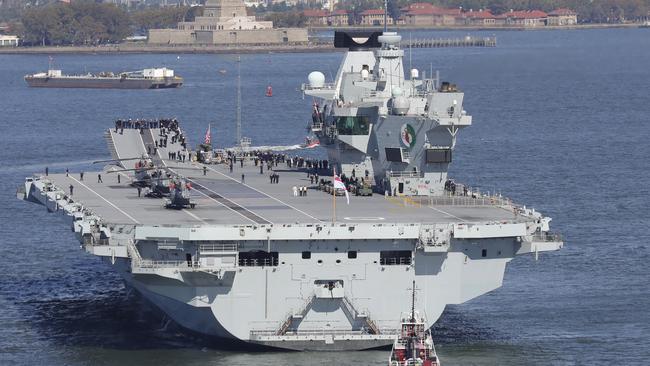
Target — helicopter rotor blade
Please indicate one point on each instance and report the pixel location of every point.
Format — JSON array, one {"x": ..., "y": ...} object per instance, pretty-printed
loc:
[{"x": 115, "y": 160}]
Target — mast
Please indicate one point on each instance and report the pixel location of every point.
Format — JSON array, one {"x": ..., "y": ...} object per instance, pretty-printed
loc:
[
  {"x": 238, "y": 137},
  {"x": 413, "y": 304},
  {"x": 385, "y": 16}
]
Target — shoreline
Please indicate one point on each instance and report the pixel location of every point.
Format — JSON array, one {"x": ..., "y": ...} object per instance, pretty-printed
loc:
[
  {"x": 482, "y": 28},
  {"x": 136, "y": 48},
  {"x": 140, "y": 48}
]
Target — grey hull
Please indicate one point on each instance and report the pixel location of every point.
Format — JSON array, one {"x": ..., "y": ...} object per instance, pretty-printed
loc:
[{"x": 103, "y": 83}]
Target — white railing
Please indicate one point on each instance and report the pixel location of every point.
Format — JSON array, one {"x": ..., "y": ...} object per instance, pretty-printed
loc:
[
  {"x": 545, "y": 236},
  {"x": 231, "y": 247},
  {"x": 469, "y": 200},
  {"x": 321, "y": 332},
  {"x": 145, "y": 263},
  {"x": 326, "y": 86},
  {"x": 404, "y": 174}
]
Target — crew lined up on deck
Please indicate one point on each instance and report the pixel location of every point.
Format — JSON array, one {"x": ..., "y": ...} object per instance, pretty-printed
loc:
[
  {"x": 170, "y": 123},
  {"x": 270, "y": 160}
]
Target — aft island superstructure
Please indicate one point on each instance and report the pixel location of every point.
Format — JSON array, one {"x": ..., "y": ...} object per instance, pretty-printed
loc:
[{"x": 256, "y": 263}]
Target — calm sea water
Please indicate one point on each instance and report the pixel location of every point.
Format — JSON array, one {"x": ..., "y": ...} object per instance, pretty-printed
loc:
[{"x": 561, "y": 123}]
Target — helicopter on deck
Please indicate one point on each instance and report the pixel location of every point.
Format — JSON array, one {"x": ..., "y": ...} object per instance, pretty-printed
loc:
[
  {"x": 141, "y": 171},
  {"x": 179, "y": 194},
  {"x": 160, "y": 181}
]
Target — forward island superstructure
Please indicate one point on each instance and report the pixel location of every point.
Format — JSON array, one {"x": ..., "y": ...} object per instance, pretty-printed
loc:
[{"x": 255, "y": 263}]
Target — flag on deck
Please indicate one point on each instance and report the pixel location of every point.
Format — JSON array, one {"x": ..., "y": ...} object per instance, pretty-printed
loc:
[
  {"x": 208, "y": 136},
  {"x": 338, "y": 184}
]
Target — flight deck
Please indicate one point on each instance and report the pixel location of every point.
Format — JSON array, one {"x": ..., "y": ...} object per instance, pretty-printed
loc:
[{"x": 222, "y": 198}]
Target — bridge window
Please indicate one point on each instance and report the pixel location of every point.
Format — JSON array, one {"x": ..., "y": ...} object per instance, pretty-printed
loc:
[
  {"x": 258, "y": 259},
  {"x": 438, "y": 155},
  {"x": 306, "y": 255},
  {"x": 353, "y": 125},
  {"x": 352, "y": 254},
  {"x": 394, "y": 257}
]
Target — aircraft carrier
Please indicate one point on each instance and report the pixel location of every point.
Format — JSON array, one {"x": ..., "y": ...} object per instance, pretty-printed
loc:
[{"x": 255, "y": 262}]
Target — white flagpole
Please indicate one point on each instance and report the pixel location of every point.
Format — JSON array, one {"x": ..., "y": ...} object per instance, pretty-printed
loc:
[{"x": 334, "y": 197}]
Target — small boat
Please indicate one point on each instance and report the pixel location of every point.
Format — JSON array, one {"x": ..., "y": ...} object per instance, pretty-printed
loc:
[
  {"x": 269, "y": 91},
  {"x": 645, "y": 25},
  {"x": 414, "y": 344},
  {"x": 223, "y": 71},
  {"x": 310, "y": 143}
]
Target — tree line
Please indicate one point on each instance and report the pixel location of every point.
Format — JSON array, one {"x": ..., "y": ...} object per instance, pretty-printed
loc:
[{"x": 92, "y": 23}]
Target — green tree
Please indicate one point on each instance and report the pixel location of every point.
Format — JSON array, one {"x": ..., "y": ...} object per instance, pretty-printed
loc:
[{"x": 82, "y": 22}]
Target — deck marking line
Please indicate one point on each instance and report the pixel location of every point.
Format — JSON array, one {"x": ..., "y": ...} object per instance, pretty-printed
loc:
[
  {"x": 447, "y": 213},
  {"x": 257, "y": 219},
  {"x": 193, "y": 215},
  {"x": 235, "y": 206},
  {"x": 107, "y": 201},
  {"x": 257, "y": 190}
]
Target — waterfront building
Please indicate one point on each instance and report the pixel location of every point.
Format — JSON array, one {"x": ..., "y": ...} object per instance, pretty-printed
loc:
[
  {"x": 374, "y": 17},
  {"x": 316, "y": 17},
  {"x": 562, "y": 17},
  {"x": 226, "y": 22},
  {"x": 320, "y": 17},
  {"x": 9, "y": 41},
  {"x": 483, "y": 18},
  {"x": 426, "y": 14},
  {"x": 525, "y": 18},
  {"x": 340, "y": 17}
]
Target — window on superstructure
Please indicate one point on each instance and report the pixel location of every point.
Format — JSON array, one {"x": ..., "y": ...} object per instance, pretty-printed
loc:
[
  {"x": 484, "y": 253},
  {"x": 394, "y": 257},
  {"x": 306, "y": 255},
  {"x": 353, "y": 125},
  {"x": 258, "y": 259},
  {"x": 352, "y": 254}
]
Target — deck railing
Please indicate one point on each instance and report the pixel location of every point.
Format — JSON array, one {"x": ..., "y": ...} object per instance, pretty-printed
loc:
[{"x": 547, "y": 237}]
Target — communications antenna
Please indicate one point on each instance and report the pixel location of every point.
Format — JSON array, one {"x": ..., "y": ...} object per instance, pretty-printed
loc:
[{"x": 238, "y": 132}]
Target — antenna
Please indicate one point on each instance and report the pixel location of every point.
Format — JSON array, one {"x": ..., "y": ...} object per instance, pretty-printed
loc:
[
  {"x": 238, "y": 100},
  {"x": 385, "y": 16},
  {"x": 413, "y": 304}
]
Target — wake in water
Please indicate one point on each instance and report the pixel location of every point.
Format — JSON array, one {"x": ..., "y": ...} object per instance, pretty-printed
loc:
[{"x": 41, "y": 166}]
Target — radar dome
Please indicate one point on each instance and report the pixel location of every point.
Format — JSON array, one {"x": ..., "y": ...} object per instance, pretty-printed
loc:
[
  {"x": 364, "y": 74},
  {"x": 397, "y": 92},
  {"x": 401, "y": 105},
  {"x": 316, "y": 79},
  {"x": 415, "y": 74}
]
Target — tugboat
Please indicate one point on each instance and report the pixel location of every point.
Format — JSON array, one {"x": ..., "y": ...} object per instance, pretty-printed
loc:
[{"x": 414, "y": 344}]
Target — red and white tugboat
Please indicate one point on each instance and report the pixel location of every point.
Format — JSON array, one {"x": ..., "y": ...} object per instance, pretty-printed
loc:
[{"x": 414, "y": 344}]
